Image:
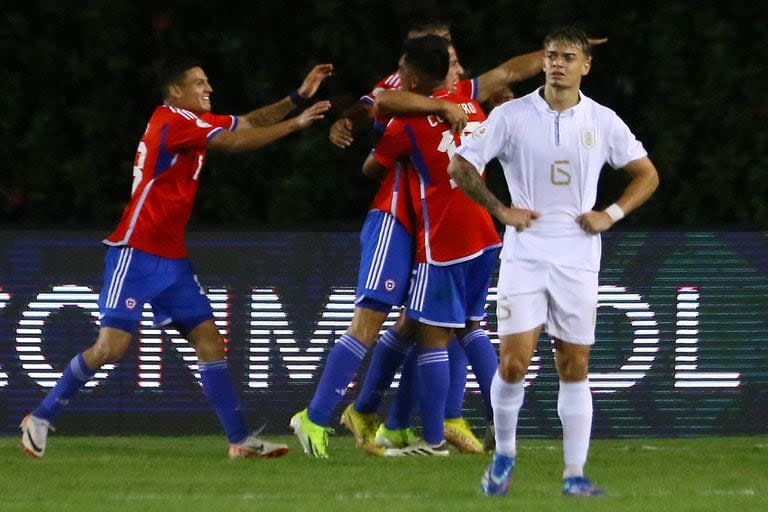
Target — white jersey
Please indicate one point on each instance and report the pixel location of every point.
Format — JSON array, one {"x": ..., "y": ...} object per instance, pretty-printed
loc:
[{"x": 552, "y": 162}]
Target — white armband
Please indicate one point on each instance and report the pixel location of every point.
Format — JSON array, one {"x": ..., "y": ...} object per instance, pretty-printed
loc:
[{"x": 615, "y": 212}]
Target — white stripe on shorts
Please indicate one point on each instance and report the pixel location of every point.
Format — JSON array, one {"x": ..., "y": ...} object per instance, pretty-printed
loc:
[
  {"x": 118, "y": 276},
  {"x": 419, "y": 287},
  {"x": 379, "y": 255}
]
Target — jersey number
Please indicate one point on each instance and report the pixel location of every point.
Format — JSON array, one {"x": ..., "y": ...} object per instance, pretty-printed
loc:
[
  {"x": 138, "y": 166},
  {"x": 558, "y": 174},
  {"x": 448, "y": 144}
]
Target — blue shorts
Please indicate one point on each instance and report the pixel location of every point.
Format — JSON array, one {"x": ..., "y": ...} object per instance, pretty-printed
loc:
[
  {"x": 449, "y": 295},
  {"x": 133, "y": 278},
  {"x": 386, "y": 257}
]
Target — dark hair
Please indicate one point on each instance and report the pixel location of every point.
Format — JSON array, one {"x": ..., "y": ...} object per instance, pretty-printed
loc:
[
  {"x": 571, "y": 35},
  {"x": 427, "y": 54},
  {"x": 426, "y": 22},
  {"x": 173, "y": 72}
]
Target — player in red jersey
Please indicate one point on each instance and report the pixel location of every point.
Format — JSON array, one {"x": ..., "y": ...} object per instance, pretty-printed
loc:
[
  {"x": 146, "y": 261},
  {"x": 456, "y": 242}
]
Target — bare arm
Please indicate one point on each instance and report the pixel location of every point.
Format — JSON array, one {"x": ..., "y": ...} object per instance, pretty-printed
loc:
[
  {"x": 403, "y": 102},
  {"x": 516, "y": 69},
  {"x": 645, "y": 180},
  {"x": 254, "y": 137},
  {"x": 469, "y": 181},
  {"x": 352, "y": 120},
  {"x": 373, "y": 169},
  {"x": 271, "y": 114}
]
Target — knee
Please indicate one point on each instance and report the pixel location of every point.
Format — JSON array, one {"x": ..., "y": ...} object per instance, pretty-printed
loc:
[
  {"x": 572, "y": 368},
  {"x": 209, "y": 348},
  {"x": 103, "y": 352},
  {"x": 512, "y": 367}
]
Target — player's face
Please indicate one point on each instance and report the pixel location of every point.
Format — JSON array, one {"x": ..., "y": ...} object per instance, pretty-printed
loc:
[
  {"x": 455, "y": 71},
  {"x": 194, "y": 93},
  {"x": 564, "y": 65}
]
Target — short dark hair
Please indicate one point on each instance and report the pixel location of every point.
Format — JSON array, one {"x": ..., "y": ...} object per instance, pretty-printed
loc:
[
  {"x": 427, "y": 54},
  {"x": 572, "y": 35},
  {"x": 427, "y": 22},
  {"x": 173, "y": 72}
]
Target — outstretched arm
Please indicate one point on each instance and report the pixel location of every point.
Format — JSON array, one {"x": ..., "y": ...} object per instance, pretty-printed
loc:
[
  {"x": 352, "y": 120},
  {"x": 516, "y": 69},
  {"x": 254, "y": 137},
  {"x": 645, "y": 180},
  {"x": 469, "y": 181},
  {"x": 271, "y": 114},
  {"x": 403, "y": 102}
]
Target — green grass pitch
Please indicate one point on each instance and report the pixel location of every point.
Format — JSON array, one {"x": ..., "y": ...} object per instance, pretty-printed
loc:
[{"x": 193, "y": 474}]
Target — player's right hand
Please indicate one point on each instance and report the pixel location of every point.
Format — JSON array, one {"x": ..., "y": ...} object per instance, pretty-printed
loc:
[
  {"x": 341, "y": 133},
  {"x": 313, "y": 113},
  {"x": 519, "y": 218},
  {"x": 454, "y": 115}
]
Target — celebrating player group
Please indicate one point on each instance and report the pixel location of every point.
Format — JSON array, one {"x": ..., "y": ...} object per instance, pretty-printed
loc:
[{"x": 429, "y": 247}]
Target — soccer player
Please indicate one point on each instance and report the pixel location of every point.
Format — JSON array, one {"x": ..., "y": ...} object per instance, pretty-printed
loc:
[
  {"x": 147, "y": 262},
  {"x": 456, "y": 240},
  {"x": 552, "y": 145}
]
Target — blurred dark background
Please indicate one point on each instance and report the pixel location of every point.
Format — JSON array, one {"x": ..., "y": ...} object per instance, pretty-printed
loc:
[{"x": 78, "y": 86}]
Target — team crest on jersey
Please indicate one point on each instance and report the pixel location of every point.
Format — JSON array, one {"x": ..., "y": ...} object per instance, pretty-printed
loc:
[
  {"x": 588, "y": 138},
  {"x": 480, "y": 132},
  {"x": 130, "y": 303},
  {"x": 390, "y": 285},
  {"x": 202, "y": 124}
]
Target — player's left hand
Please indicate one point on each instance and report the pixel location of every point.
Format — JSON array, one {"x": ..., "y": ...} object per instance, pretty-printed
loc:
[
  {"x": 312, "y": 114},
  {"x": 594, "y": 222},
  {"x": 314, "y": 79}
]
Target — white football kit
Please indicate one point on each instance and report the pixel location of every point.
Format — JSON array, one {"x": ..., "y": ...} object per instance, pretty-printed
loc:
[{"x": 552, "y": 162}]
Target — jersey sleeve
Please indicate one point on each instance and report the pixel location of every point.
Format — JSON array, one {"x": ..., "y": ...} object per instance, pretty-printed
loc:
[
  {"x": 393, "y": 145},
  {"x": 391, "y": 81},
  {"x": 486, "y": 141},
  {"x": 190, "y": 132},
  {"x": 228, "y": 122},
  {"x": 467, "y": 88},
  {"x": 623, "y": 146}
]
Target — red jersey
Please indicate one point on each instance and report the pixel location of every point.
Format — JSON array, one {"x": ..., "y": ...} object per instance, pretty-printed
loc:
[
  {"x": 392, "y": 193},
  {"x": 168, "y": 161},
  {"x": 450, "y": 227}
]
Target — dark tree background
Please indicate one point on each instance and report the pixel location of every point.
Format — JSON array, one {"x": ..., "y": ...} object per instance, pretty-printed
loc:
[{"x": 78, "y": 87}]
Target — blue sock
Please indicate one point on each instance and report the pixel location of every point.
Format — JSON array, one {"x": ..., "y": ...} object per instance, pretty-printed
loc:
[
  {"x": 433, "y": 377},
  {"x": 75, "y": 375},
  {"x": 482, "y": 357},
  {"x": 458, "y": 382},
  {"x": 388, "y": 354},
  {"x": 220, "y": 392},
  {"x": 406, "y": 398},
  {"x": 340, "y": 367}
]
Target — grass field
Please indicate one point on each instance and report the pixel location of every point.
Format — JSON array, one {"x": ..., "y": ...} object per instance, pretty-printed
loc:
[{"x": 193, "y": 474}]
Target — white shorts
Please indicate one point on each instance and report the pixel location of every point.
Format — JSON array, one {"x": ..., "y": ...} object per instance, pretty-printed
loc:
[{"x": 534, "y": 293}]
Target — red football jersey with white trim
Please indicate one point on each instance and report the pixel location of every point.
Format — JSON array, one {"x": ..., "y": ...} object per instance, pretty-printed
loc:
[
  {"x": 450, "y": 227},
  {"x": 166, "y": 169}
]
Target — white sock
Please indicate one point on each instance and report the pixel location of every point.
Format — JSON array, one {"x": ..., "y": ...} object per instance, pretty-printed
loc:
[
  {"x": 574, "y": 406},
  {"x": 506, "y": 400}
]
